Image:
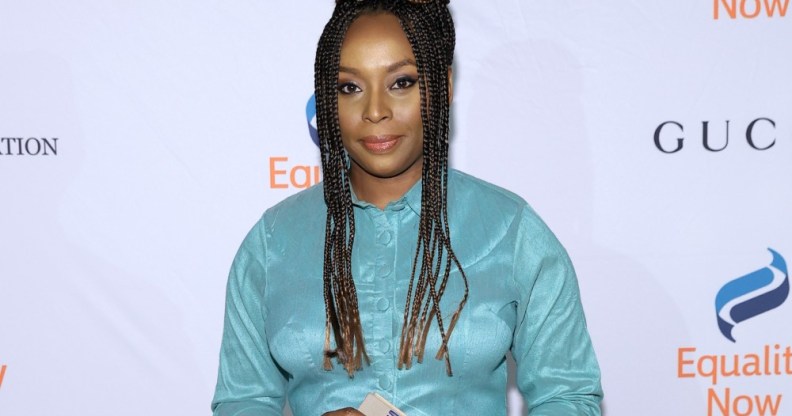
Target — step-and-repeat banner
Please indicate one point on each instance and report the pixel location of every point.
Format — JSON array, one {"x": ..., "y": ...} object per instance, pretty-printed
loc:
[{"x": 139, "y": 141}]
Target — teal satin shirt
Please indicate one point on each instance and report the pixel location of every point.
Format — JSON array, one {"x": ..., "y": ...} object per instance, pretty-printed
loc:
[{"x": 523, "y": 297}]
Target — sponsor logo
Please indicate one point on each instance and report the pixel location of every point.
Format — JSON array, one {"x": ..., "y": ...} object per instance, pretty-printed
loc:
[
  {"x": 759, "y": 135},
  {"x": 284, "y": 174},
  {"x": 749, "y": 9},
  {"x": 751, "y": 295},
  {"x": 770, "y": 361},
  {"x": 739, "y": 300},
  {"x": 2, "y": 374},
  {"x": 31, "y": 146}
]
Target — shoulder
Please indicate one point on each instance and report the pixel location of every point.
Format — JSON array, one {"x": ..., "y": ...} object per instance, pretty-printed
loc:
[
  {"x": 483, "y": 209},
  {"x": 293, "y": 222},
  {"x": 307, "y": 205},
  {"x": 465, "y": 190}
]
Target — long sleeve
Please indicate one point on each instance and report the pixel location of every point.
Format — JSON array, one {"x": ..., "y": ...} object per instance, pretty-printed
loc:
[
  {"x": 557, "y": 370},
  {"x": 523, "y": 297},
  {"x": 249, "y": 382}
]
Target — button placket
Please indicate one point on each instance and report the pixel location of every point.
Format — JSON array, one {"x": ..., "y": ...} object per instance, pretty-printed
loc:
[
  {"x": 385, "y": 251},
  {"x": 385, "y": 269},
  {"x": 385, "y": 382},
  {"x": 385, "y": 237}
]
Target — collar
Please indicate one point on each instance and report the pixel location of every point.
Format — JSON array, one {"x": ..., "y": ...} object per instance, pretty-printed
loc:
[{"x": 411, "y": 199}]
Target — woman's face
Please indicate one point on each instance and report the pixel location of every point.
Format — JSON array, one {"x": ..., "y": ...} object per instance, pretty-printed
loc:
[{"x": 379, "y": 102}]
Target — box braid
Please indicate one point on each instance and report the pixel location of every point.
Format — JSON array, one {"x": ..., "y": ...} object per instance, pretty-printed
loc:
[{"x": 430, "y": 31}]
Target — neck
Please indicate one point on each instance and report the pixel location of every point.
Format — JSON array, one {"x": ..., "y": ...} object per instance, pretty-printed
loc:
[{"x": 381, "y": 191}]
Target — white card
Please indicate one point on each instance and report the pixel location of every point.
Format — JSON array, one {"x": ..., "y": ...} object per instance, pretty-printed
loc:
[{"x": 376, "y": 405}]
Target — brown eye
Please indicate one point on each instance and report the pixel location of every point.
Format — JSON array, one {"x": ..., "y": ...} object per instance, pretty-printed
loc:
[
  {"x": 403, "y": 83},
  {"x": 348, "y": 88}
]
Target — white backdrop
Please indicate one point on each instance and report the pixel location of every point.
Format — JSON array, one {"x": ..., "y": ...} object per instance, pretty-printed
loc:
[{"x": 173, "y": 125}]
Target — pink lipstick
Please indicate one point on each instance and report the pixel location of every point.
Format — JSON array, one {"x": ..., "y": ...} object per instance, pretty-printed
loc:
[{"x": 380, "y": 144}]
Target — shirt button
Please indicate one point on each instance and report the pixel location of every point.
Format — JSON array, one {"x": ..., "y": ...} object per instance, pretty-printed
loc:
[
  {"x": 384, "y": 346},
  {"x": 385, "y": 238},
  {"x": 384, "y": 382},
  {"x": 385, "y": 271},
  {"x": 383, "y": 304}
]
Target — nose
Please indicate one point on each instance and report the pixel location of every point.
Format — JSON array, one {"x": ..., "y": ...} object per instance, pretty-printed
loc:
[{"x": 377, "y": 107}]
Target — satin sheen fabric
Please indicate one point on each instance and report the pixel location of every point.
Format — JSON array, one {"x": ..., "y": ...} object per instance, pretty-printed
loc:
[{"x": 523, "y": 296}]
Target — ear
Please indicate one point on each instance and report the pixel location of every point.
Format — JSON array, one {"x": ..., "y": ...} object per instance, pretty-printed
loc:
[{"x": 450, "y": 85}]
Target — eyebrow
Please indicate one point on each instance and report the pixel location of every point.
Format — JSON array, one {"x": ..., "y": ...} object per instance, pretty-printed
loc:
[{"x": 390, "y": 68}]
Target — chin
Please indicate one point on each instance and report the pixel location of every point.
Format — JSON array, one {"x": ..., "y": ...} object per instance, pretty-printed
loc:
[{"x": 386, "y": 171}]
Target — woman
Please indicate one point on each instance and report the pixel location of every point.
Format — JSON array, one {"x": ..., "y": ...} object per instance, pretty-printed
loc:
[{"x": 384, "y": 217}]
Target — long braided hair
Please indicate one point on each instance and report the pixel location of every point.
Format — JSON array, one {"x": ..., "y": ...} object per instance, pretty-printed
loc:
[{"x": 430, "y": 30}]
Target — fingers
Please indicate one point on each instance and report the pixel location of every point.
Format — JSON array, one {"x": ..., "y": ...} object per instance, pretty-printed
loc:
[{"x": 347, "y": 411}]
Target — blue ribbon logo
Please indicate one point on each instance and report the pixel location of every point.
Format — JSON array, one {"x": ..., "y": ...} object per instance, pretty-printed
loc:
[
  {"x": 310, "y": 115},
  {"x": 732, "y": 313}
]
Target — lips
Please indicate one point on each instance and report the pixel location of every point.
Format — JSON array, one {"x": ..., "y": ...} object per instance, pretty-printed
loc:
[{"x": 380, "y": 144}]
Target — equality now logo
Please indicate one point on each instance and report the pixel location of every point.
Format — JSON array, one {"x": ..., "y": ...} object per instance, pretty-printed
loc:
[
  {"x": 285, "y": 174},
  {"x": 750, "y": 9},
  {"x": 752, "y": 295}
]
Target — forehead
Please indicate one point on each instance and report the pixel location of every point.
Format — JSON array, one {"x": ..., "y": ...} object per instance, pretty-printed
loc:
[{"x": 375, "y": 40}]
